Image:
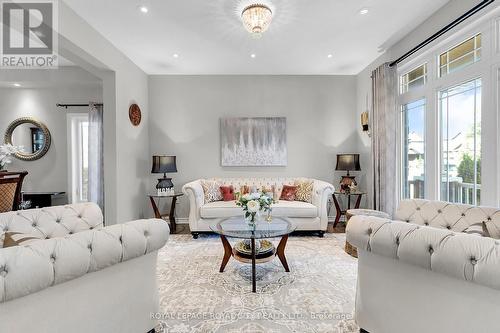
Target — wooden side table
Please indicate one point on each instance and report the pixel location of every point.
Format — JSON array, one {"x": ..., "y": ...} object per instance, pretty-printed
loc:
[
  {"x": 171, "y": 214},
  {"x": 341, "y": 212}
]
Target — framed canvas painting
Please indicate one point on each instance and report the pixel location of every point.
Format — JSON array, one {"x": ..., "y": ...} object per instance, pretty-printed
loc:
[{"x": 253, "y": 141}]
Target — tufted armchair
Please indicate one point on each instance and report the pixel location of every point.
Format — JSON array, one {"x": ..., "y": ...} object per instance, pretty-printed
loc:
[
  {"x": 422, "y": 272},
  {"x": 82, "y": 277}
]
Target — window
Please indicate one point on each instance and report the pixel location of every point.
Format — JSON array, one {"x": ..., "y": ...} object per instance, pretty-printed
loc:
[
  {"x": 461, "y": 143},
  {"x": 413, "y": 126},
  {"x": 78, "y": 132},
  {"x": 413, "y": 79},
  {"x": 460, "y": 56}
]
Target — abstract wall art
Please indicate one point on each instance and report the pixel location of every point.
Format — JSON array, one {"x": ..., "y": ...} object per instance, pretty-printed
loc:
[{"x": 253, "y": 141}]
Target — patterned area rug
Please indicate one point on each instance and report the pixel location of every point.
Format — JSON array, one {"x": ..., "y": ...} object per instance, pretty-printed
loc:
[{"x": 316, "y": 296}]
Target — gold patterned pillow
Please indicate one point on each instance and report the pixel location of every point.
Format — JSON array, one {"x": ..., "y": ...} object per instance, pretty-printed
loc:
[
  {"x": 17, "y": 238},
  {"x": 304, "y": 190},
  {"x": 211, "y": 190}
]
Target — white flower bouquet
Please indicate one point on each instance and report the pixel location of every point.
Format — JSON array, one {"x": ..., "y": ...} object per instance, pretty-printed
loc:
[
  {"x": 253, "y": 204},
  {"x": 6, "y": 152}
]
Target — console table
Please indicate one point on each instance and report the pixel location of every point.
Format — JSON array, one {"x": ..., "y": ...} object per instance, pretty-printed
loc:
[
  {"x": 171, "y": 214},
  {"x": 45, "y": 199}
]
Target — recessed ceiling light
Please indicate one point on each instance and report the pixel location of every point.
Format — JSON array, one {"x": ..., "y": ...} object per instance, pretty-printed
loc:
[
  {"x": 144, "y": 9},
  {"x": 16, "y": 85},
  {"x": 363, "y": 11},
  {"x": 253, "y": 55},
  {"x": 175, "y": 55},
  {"x": 330, "y": 56}
]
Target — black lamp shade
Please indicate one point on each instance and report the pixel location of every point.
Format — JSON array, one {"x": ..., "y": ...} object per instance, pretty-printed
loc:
[
  {"x": 164, "y": 164},
  {"x": 348, "y": 162}
]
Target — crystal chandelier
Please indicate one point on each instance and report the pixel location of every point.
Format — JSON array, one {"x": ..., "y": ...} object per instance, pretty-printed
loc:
[{"x": 256, "y": 19}]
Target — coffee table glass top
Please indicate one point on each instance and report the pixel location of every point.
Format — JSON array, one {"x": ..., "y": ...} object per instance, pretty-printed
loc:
[{"x": 237, "y": 227}]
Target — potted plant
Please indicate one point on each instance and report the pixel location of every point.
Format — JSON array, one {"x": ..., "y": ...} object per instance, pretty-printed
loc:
[
  {"x": 6, "y": 152},
  {"x": 253, "y": 204}
]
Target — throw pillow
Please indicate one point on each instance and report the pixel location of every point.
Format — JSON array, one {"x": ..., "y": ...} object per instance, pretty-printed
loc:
[
  {"x": 477, "y": 229},
  {"x": 245, "y": 189},
  {"x": 17, "y": 238},
  {"x": 288, "y": 193},
  {"x": 304, "y": 190},
  {"x": 227, "y": 193},
  {"x": 211, "y": 190}
]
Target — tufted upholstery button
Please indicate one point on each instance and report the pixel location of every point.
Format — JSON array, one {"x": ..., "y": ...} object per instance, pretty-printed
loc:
[
  {"x": 463, "y": 214},
  {"x": 120, "y": 239},
  {"x": 90, "y": 247},
  {"x": 71, "y": 232},
  {"x": 448, "y": 227},
  {"x": 431, "y": 250},
  {"x": 53, "y": 258},
  {"x": 418, "y": 208},
  {"x": 91, "y": 228},
  {"x": 407, "y": 221},
  {"x": 3, "y": 271},
  {"x": 397, "y": 240},
  {"x": 58, "y": 220},
  {"x": 33, "y": 224},
  {"x": 79, "y": 216},
  {"x": 473, "y": 260},
  {"x": 426, "y": 223},
  {"x": 439, "y": 211},
  {"x": 146, "y": 233},
  {"x": 489, "y": 218},
  {"x": 369, "y": 231}
]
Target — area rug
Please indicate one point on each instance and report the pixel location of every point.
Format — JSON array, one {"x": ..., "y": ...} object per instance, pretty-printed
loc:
[{"x": 316, "y": 296}]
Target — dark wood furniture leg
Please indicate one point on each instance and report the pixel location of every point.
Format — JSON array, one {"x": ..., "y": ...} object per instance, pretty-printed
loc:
[
  {"x": 339, "y": 211},
  {"x": 321, "y": 234},
  {"x": 254, "y": 283},
  {"x": 280, "y": 252},
  {"x": 195, "y": 235},
  {"x": 363, "y": 331},
  {"x": 358, "y": 201},
  {"x": 228, "y": 252},
  {"x": 171, "y": 215}
]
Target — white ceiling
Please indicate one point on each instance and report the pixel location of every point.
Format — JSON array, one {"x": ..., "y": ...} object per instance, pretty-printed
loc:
[{"x": 209, "y": 38}]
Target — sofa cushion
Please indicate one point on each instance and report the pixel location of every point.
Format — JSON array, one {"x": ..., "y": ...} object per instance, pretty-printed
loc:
[{"x": 223, "y": 209}]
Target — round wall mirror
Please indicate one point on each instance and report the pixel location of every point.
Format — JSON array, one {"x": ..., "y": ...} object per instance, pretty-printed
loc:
[{"x": 32, "y": 135}]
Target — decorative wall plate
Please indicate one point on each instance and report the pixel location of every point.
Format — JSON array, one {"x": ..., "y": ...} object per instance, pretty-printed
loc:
[{"x": 134, "y": 114}]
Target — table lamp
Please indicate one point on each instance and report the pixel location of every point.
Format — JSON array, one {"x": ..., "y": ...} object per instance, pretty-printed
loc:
[
  {"x": 347, "y": 162},
  {"x": 164, "y": 164}
]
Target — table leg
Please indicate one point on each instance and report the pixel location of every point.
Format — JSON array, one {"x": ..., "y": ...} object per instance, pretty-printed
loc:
[
  {"x": 358, "y": 201},
  {"x": 280, "y": 252},
  {"x": 339, "y": 211},
  {"x": 171, "y": 216},
  {"x": 155, "y": 208},
  {"x": 228, "y": 252},
  {"x": 254, "y": 283}
]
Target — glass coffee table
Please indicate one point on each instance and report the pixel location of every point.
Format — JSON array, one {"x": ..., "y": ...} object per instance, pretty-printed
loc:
[{"x": 247, "y": 251}]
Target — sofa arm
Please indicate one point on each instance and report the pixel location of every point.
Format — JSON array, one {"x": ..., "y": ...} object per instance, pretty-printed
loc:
[
  {"x": 28, "y": 269},
  {"x": 458, "y": 255},
  {"x": 321, "y": 191},
  {"x": 194, "y": 191}
]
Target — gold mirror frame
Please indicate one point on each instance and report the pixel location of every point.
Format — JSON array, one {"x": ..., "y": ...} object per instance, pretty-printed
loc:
[{"x": 46, "y": 136}]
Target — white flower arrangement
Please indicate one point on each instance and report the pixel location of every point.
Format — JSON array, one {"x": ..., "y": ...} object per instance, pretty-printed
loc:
[
  {"x": 253, "y": 203},
  {"x": 6, "y": 152}
]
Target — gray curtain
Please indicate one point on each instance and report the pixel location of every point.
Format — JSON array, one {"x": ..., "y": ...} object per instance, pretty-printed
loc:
[
  {"x": 384, "y": 119},
  {"x": 96, "y": 166}
]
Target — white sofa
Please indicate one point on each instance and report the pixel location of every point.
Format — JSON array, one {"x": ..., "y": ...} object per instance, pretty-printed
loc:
[
  {"x": 81, "y": 277},
  {"x": 422, "y": 273},
  {"x": 307, "y": 216}
]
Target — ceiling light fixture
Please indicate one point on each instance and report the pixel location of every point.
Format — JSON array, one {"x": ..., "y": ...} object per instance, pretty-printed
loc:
[
  {"x": 175, "y": 55},
  {"x": 144, "y": 9},
  {"x": 330, "y": 56},
  {"x": 363, "y": 11},
  {"x": 253, "y": 55},
  {"x": 16, "y": 85},
  {"x": 256, "y": 19}
]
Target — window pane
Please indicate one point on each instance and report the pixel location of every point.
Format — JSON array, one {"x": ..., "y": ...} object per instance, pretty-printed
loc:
[
  {"x": 460, "y": 56},
  {"x": 413, "y": 79},
  {"x": 461, "y": 143},
  {"x": 414, "y": 149}
]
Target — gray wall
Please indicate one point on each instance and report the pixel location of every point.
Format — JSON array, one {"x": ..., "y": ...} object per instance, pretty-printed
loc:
[
  {"x": 50, "y": 173},
  {"x": 185, "y": 113}
]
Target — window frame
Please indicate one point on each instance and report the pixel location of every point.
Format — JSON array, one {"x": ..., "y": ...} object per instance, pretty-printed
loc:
[
  {"x": 488, "y": 69},
  {"x": 75, "y": 152}
]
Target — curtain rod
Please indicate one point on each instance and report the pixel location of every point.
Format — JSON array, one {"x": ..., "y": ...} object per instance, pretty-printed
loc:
[
  {"x": 75, "y": 105},
  {"x": 444, "y": 30}
]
